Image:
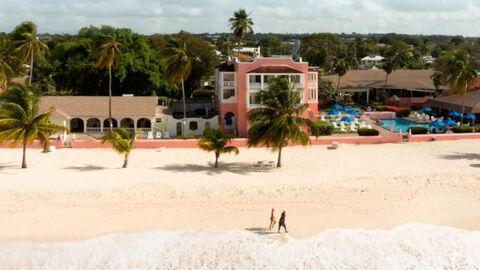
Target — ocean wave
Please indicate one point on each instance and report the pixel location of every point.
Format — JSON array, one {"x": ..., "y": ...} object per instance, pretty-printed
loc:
[{"x": 410, "y": 246}]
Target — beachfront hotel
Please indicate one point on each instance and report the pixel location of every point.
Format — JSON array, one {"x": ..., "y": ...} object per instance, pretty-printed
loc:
[{"x": 238, "y": 83}]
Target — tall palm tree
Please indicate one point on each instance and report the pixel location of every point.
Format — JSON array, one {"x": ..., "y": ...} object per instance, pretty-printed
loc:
[
  {"x": 227, "y": 44},
  {"x": 459, "y": 74},
  {"x": 278, "y": 120},
  {"x": 341, "y": 67},
  {"x": 122, "y": 142},
  {"x": 109, "y": 55},
  {"x": 216, "y": 140},
  {"x": 20, "y": 121},
  {"x": 241, "y": 25},
  {"x": 6, "y": 72},
  {"x": 177, "y": 68},
  {"x": 28, "y": 47}
]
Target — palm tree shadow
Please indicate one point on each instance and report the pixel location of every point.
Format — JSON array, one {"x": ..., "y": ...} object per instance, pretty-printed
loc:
[
  {"x": 241, "y": 168},
  {"x": 475, "y": 165},
  {"x": 4, "y": 166},
  {"x": 86, "y": 168},
  {"x": 260, "y": 231},
  {"x": 460, "y": 156}
]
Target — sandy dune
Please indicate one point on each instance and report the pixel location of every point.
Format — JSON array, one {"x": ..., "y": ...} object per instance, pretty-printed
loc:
[{"x": 76, "y": 193}]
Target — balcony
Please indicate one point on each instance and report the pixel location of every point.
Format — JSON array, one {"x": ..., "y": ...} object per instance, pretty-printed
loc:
[
  {"x": 254, "y": 86},
  {"x": 228, "y": 84}
]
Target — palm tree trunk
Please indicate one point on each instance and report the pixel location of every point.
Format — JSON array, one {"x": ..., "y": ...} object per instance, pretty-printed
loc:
[
  {"x": 463, "y": 110},
  {"x": 31, "y": 69},
  {"x": 338, "y": 82},
  {"x": 216, "y": 159},
  {"x": 110, "y": 97},
  {"x": 125, "y": 162},
  {"x": 279, "y": 160},
  {"x": 184, "y": 109},
  {"x": 386, "y": 79},
  {"x": 24, "y": 157}
]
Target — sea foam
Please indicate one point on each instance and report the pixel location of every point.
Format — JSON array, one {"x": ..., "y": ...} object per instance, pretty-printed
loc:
[{"x": 410, "y": 246}]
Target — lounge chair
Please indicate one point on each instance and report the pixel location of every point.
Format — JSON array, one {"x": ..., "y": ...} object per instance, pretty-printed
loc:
[
  {"x": 343, "y": 129},
  {"x": 335, "y": 125}
]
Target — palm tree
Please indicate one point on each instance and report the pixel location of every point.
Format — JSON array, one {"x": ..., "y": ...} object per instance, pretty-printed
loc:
[
  {"x": 20, "y": 121},
  {"x": 241, "y": 25},
  {"x": 177, "y": 68},
  {"x": 389, "y": 66},
  {"x": 227, "y": 44},
  {"x": 459, "y": 74},
  {"x": 122, "y": 142},
  {"x": 278, "y": 120},
  {"x": 109, "y": 55},
  {"x": 216, "y": 140},
  {"x": 341, "y": 66},
  {"x": 28, "y": 47},
  {"x": 5, "y": 72}
]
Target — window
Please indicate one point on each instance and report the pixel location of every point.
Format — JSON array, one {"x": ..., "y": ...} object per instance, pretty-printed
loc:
[
  {"x": 267, "y": 78},
  {"x": 312, "y": 76},
  {"x": 255, "y": 78},
  {"x": 312, "y": 94},
  {"x": 254, "y": 99},
  {"x": 193, "y": 125},
  {"x": 295, "y": 78},
  {"x": 228, "y": 93}
]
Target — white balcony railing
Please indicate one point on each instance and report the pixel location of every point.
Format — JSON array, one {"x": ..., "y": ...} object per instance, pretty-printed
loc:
[
  {"x": 94, "y": 130},
  {"x": 229, "y": 84},
  {"x": 255, "y": 86}
]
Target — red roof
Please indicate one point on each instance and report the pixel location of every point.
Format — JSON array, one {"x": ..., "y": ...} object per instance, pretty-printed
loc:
[{"x": 274, "y": 69}]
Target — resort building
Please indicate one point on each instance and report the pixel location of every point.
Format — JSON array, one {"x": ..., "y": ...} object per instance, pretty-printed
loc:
[
  {"x": 238, "y": 83},
  {"x": 403, "y": 87},
  {"x": 371, "y": 61},
  {"x": 87, "y": 116},
  {"x": 468, "y": 103}
]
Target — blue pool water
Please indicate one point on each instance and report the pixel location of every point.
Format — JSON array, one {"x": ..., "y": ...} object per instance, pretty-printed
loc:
[{"x": 400, "y": 124}]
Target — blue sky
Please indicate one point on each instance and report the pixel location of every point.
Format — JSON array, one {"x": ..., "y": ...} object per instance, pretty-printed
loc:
[{"x": 280, "y": 16}]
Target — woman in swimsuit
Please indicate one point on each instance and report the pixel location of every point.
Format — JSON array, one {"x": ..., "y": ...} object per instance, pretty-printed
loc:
[{"x": 272, "y": 220}]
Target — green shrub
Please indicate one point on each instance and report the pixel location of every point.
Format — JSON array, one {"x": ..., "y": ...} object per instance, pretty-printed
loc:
[
  {"x": 185, "y": 137},
  {"x": 418, "y": 130},
  {"x": 404, "y": 112},
  {"x": 462, "y": 129},
  {"x": 324, "y": 128},
  {"x": 368, "y": 132},
  {"x": 476, "y": 128}
]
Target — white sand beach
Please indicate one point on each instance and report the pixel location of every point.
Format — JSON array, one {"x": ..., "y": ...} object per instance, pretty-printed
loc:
[{"x": 74, "y": 194}]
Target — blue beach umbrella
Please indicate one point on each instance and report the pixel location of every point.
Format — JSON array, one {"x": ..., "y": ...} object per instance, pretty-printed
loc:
[
  {"x": 449, "y": 122},
  {"x": 336, "y": 107},
  {"x": 353, "y": 112},
  {"x": 333, "y": 112},
  {"x": 469, "y": 116},
  {"x": 426, "y": 109},
  {"x": 346, "y": 109},
  {"x": 347, "y": 119},
  {"x": 454, "y": 114},
  {"x": 437, "y": 123}
]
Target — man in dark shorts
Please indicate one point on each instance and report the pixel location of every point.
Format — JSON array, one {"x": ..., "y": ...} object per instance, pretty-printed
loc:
[{"x": 281, "y": 222}]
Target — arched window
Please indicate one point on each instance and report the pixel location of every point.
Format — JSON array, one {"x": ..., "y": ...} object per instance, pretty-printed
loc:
[
  {"x": 76, "y": 125},
  {"x": 93, "y": 123},
  {"x": 193, "y": 125},
  {"x": 127, "y": 123},
  {"x": 144, "y": 123},
  {"x": 229, "y": 119},
  {"x": 106, "y": 123}
]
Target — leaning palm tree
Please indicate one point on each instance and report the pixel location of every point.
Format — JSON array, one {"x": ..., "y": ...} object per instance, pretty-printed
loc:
[
  {"x": 122, "y": 142},
  {"x": 278, "y": 120},
  {"x": 241, "y": 25},
  {"x": 20, "y": 120},
  {"x": 216, "y": 140},
  {"x": 177, "y": 68},
  {"x": 28, "y": 47},
  {"x": 341, "y": 66},
  {"x": 109, "y": 55},
  {"x": 6, "y": 72},
  {"x": 459, "y": 74}
]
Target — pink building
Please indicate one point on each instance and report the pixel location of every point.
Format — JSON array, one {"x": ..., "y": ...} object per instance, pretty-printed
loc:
[{"x": 237, "y": 84}]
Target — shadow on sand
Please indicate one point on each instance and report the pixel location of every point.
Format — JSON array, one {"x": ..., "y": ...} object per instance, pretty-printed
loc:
[
  {"x": 4, "y": 166},
  {"x": 86, "y": 168},
  {"x": 459, "y": 156},
  {"x": 237, "y": 168},
  {"x": 261, "y": 231}
]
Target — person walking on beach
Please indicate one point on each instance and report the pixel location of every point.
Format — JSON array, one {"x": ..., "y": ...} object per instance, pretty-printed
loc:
[
  {"x": 272, "y": 220},
  {"x": 281, "y": 222}
]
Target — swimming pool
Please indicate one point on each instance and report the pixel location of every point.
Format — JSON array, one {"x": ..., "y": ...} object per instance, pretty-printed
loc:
[{"x": 400, "y": 124}]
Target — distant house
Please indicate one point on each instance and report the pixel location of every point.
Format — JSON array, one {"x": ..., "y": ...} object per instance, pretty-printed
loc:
[
  {"x": 252, "y": 52},
  {"x": 371, "y": 61},
  {"x": 428, "y": 60}
]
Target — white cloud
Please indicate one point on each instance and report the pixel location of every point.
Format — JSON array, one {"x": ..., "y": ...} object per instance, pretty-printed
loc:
[{"x": 167, "y": 16}]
